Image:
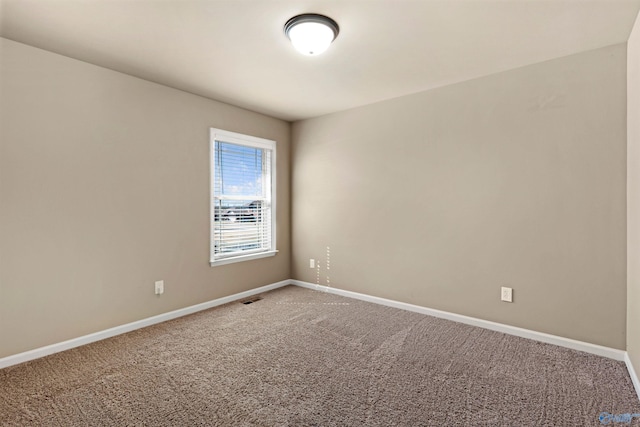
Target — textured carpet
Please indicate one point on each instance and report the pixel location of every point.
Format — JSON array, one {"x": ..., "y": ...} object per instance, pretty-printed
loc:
[{"x": 305, "y": 358}]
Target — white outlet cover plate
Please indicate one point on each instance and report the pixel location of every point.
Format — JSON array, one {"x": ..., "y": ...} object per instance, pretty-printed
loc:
[{"x": 506, "y": 294}]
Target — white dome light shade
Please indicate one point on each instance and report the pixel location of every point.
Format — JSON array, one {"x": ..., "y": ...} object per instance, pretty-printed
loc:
[
  {"x": 311, "y": 34},
  {"x": 311, "y": 38}
]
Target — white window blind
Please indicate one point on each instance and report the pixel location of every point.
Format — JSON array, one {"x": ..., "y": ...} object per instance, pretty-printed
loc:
[{"x": 242, "y": 199}]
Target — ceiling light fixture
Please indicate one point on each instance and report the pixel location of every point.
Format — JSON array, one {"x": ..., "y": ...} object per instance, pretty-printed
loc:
[{"x": 310, "y": 33}]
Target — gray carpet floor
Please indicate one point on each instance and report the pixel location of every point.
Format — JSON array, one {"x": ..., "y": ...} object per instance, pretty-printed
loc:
[{"x": 306, "y": 358}]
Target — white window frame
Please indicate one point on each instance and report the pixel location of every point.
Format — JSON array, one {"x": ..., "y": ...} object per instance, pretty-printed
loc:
[{"x": 247, "y": 141}]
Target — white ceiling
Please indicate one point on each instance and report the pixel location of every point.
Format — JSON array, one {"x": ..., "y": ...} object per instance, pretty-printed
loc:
[{"x": 235, "y": 50}]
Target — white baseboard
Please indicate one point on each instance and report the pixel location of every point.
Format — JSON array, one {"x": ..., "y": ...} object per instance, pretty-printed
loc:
[
  {"x": 108, "y": 333},
  {"x": 511, "y": 330},
  {"x": 632, "y": 374},
  {"x": 599, "y": 350}
]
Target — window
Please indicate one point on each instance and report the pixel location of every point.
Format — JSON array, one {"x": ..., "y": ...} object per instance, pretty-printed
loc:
[{"x": 242, "y": 197}]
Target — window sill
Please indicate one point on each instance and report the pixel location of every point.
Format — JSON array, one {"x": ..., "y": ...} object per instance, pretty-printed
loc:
[{"x": 241, "y": 258}]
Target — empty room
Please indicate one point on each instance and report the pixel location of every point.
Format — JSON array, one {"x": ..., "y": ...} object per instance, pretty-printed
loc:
[{"x": 319, "y": 213}]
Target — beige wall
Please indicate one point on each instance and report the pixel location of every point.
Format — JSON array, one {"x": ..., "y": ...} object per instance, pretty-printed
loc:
[
  {"x": 633, "y": 196},
  {"x": 436, "y": 199},
  {"x": 440, "y": 198},
  {"x": 103, "y": 190}
]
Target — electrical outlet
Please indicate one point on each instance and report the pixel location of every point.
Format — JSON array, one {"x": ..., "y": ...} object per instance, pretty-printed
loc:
[
  {"x": 312, "y": 263},
  {"x": 506, "y": 294},
  {"x": 159, "y": 287}
]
